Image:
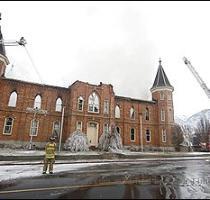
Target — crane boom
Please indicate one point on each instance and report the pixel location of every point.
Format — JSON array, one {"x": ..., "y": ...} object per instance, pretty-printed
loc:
[
  {"x": 198, "y": 78},
  {"x": 21, "y": 42}
]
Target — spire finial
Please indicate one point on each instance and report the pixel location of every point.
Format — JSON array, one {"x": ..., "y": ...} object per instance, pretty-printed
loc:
[{"x": 160, "y": 61}]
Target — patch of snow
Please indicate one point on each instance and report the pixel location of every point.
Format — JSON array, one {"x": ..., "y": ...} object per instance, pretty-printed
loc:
[{"x": 19, "y": 152}]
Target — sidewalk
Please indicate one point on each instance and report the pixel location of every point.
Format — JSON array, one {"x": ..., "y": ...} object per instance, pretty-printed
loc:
[{"x": 37, "y": 155}]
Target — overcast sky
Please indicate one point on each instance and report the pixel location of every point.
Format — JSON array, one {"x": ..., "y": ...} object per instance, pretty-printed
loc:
[{"x": 118, "y": 43}]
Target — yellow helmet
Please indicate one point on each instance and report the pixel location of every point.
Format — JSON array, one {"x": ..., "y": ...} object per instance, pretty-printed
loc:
[{"x": 52, "y": 138}]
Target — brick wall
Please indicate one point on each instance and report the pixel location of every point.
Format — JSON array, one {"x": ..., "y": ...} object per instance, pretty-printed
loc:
[{"x": 27, "y": 92}]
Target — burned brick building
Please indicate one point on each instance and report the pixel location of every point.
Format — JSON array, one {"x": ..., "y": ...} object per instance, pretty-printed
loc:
[{"x": 90, "y": 108}]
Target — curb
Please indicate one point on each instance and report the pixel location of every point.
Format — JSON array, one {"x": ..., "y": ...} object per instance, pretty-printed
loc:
[{"x": 105, "y": 156}]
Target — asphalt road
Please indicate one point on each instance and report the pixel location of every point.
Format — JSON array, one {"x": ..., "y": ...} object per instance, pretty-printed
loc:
[{"x": 129, "y": 180}]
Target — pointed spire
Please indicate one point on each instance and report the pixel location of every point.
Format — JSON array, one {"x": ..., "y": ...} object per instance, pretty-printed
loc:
[
  {"x": 161, "y": 80},
  {"x": 160, "y": 61},
  {"x": 2, "y": 48}
]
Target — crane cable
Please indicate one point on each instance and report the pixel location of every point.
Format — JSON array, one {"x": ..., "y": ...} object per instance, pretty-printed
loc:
[
  {"x": 11, "y": 69},
  {"x": 22, "y": 42},
  {"x": 34, "y": 65}
]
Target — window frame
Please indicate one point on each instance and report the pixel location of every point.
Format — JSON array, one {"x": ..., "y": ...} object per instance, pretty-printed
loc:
[
  {"x": 11, "y": 126},
  {"x": 106, "y": 127},
  {"x": 117, "y": 112},
  {"x": 106, "y": 107},
  {"x": 53, "y": 128},
  {"x": 94, "y": 104},
  {"x": 80, "y": 104},
  {"x": 164, "y": 134},
  {"x": 169, "y": 97},
  {"x": 134, "y": 135},
  {"x": 132, "y": 113},
  {"x": 37, "y": 127},
  {"x": 13, "y": 99},
  {"x": 147, "y": 114},
  {"x": 58, "y": 105},
  {"x": 77, "y": 123},
  {"x": 118, "y": 128},
  {"x": 36, "y": 102},
  {"x": 162, "y": 115},
  {"x": 150, "y": 135},
  {"x": 162, "y": 95}
]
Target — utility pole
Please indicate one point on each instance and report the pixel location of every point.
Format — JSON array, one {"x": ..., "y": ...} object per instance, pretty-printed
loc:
[
  {"x": 61, "y": 132},
  {"x": 35, "y": 111},
  {"x": 141, "y": 130}
]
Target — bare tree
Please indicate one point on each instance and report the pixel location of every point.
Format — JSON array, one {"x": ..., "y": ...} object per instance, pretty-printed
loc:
[{"x": 203, "y": 130}]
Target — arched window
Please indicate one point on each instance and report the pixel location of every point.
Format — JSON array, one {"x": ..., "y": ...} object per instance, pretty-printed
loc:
[
  {"x": 162, "y": 115},
  {"x": 12, "y": 99},
  {"x": 162, "y": 96},
  {"x": 118, "y": 129},
  {"x": 132, "y": 134},
  {"x": 117, "y": 111},
  {"x": 148, "y": 136},
  {"x": 106, "y": 107},
  {"x": 80, "y": 103},
  {"x": 79, "y": 126},
  {"x": 106, "y": 128},
  {"x": 132, "y": 113},
  {"x": 93, "y": 103},
  {"x": 163, "y": 135},
  {"x": 147, "y": 114},
  {"x": 170, "y": 96},
  {"x": 34, "y": 127},
  {"x": 58, "y": 106},
  {"x": 38, "y": 102},
  {"x": 8, "y": 126},
  {"x": 56, "y": 129}
]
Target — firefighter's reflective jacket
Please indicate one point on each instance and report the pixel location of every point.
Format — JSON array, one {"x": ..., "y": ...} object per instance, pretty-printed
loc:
[{"x": 50, "y": 150}]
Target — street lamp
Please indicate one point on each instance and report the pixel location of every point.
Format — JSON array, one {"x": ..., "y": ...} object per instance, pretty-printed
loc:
[{"x": 35, "y": 111}]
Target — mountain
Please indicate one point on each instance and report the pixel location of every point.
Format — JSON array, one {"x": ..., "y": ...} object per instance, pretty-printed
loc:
[{"x": 190, "y": 125}]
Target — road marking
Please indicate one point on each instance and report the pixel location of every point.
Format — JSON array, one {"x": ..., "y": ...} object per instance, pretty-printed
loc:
[{"x": 76, "y": 186}]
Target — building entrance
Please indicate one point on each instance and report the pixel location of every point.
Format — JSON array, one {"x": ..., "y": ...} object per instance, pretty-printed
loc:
[{"x": 92, "y": 133}]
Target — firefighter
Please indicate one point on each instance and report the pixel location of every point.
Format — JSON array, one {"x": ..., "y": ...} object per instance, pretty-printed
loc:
[{"x": 49, "y": 159}]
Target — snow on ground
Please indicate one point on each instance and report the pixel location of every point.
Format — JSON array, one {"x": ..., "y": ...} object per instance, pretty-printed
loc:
[
  {"x": 8, "y": 172},
  {"x": 19, "y": 152}
]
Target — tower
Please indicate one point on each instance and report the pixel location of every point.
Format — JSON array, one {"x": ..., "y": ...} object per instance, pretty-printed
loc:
[
  {"x": 162, "y": 92},
  {"x": 3, "y": 59}
]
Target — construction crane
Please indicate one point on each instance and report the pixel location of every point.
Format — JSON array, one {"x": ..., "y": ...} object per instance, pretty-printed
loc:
[
  {"x": 198, "y": 78},
  {"x": 204, "y": 87},
  {"x": 21, "y": 42}
]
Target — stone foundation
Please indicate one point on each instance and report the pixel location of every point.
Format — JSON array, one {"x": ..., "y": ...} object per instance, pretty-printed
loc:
[{"x": 150, "y": 149}]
